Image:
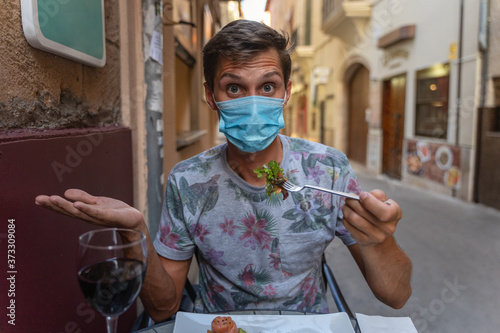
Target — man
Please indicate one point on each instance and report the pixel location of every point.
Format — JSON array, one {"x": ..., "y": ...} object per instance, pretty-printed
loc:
[{"x": 255, "y": 252}]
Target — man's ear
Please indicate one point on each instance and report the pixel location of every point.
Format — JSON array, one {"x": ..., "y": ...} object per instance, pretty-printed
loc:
[{"x": 209, "y": 97}]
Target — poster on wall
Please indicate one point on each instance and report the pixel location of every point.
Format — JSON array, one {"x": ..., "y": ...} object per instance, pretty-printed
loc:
[
  {"x": 437, "y": 162},
  {"x": 71, "y": 29}
]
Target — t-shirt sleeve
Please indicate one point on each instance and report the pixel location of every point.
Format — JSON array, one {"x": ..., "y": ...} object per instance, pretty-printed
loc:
[
  {"x": 172, "y": 239},
  {"x": 349, "y": 184}
]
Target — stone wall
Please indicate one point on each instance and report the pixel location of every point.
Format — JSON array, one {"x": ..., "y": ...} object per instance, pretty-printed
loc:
[{"x": 39, "y": 90}]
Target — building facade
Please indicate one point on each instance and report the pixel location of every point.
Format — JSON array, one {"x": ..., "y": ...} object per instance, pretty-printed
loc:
[
  {"x": 398, "y": 86},
  {"x": 112, "y": 128}
]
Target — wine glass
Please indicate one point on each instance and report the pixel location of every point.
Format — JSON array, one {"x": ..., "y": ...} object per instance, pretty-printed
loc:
[{"x": 111, "y": 269}]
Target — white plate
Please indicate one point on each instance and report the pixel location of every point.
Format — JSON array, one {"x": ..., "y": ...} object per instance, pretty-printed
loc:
[
  {"x": 446, "y": 154},
  {"x": 321, "y": 323},
  {"x": 378, "y": 324}
]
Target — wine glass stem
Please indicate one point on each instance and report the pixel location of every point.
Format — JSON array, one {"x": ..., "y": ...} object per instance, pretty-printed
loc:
[{"x": 111, "y": 323}]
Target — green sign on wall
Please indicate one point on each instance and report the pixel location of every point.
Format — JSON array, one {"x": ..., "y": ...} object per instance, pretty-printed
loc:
[{"x": 70, "y": 28}]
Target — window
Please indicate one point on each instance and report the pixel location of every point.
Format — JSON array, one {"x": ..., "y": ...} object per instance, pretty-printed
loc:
[
  {"x": 186, "y": 73},
  {"x": 495, "y": 126},
  {"x": 496, "y": 112},
  {"x": 432, "y": 102}
]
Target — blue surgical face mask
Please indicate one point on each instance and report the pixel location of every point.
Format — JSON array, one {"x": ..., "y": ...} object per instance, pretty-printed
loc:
[{"x": 251, "y": 123}]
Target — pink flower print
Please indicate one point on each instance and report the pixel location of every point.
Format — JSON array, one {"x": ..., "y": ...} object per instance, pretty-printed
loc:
[
  {"x": 256, "y": 233},
  {"x": 248, "y": 276},
  {"x": 311, "y": 296},
  {"x": 215, "y": 257},
  {"x": 275, "y": 260},
  {"x": 320, "y": 157},
  {"x": 269, "y": 291},
  {"x": 353, "y": 186},
  {"x": 227, "y": 227},
  {"x": 212, "y": 290},
  {"x": 306, "y": 285},
  {"x": 310, "y": 292},
  {"x": 325, "y": 199},
  {"x": 314, "y": 173},
  {"x": 169, "y": 238},
  {"x": 201, "y": 231}
]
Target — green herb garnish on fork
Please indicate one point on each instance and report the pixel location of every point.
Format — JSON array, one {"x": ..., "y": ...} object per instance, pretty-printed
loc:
[{"x": 275, "y": 177}]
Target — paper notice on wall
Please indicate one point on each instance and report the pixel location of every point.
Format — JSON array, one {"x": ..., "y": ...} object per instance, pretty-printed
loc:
[{"x": 156, "y": 49}]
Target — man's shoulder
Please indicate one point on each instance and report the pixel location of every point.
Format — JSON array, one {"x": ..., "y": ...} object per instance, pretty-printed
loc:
[
  {"x": 199, "y": 161},
  {"x": 307, "y": 147}
]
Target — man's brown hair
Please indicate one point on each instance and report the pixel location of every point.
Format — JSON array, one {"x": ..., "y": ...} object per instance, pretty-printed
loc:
[{"x": 242, "y": 40}]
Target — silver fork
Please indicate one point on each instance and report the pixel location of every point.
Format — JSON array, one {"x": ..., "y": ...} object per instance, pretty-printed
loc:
[{"x": 294, "y": 188}]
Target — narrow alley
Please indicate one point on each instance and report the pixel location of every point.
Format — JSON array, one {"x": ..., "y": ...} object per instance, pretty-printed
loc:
[{"x": 454, "y": 248}]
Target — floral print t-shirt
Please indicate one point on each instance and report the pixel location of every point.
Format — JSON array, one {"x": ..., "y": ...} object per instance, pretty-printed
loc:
[{"x": 255, "y": 252}]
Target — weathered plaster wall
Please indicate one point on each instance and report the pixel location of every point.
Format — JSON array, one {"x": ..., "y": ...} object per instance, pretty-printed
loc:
[{"x": 41, "y": 90}]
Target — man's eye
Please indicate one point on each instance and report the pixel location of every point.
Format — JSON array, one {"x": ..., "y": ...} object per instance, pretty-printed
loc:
[
  {"x": 234, "y": 89},
  {"x": 268, "y": 88}
]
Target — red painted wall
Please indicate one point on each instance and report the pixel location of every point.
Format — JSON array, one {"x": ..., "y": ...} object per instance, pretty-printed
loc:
[{"x": 45, "y": 288}]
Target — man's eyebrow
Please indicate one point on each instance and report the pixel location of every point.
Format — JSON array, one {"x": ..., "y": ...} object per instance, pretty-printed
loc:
[
  {"x": 237, "y": 77},
  {"x": 272, "y": 73},
  {"x": 231, "y": 75}
]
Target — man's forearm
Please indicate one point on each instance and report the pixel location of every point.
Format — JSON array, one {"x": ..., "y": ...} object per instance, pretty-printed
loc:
[
  {"x": 387, "y": 270},
  {"x": 158, "y": 293}
]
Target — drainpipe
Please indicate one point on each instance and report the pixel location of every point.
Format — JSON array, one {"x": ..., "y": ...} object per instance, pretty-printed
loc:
[
  {"x": 483, "y": 49},
  {"x": 459, "y": 83},
  {"x": 459, "y": 69},
  {"x": 152, "y": 10}
]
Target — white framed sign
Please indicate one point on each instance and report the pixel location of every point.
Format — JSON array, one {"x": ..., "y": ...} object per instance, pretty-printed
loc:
[{"x": 69, "y": 28}]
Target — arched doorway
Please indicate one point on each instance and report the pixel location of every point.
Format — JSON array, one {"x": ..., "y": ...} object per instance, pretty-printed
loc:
[{"x": 358, "y": 89}]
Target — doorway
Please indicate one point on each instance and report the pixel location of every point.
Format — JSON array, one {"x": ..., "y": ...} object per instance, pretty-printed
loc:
[
  {"x": 358, "y": 103},
  {"x": 488, "y": 159},
  {"x": 393, "y": 111}
]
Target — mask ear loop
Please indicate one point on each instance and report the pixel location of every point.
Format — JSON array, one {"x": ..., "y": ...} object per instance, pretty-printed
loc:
[{"x": 215, "y": 102}]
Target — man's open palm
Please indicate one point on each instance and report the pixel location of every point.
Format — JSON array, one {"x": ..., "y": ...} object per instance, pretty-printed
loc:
[{"x": 102, "y": 211}]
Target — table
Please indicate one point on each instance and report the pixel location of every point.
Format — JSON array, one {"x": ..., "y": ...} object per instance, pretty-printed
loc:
[{"x": 168, "y": 327}]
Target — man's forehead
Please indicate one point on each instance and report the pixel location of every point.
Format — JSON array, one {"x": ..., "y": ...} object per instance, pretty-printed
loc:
[{"x": 268, "y": 61}]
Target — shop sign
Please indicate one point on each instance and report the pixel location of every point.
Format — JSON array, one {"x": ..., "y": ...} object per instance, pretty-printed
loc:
[
  {"x": 394, "y": 58},
  {"x": 68, "y": 28}
]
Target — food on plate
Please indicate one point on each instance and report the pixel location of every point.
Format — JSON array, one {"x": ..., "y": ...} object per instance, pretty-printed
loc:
[
  {"x": 423, "y": 151},
  {"x": 453, "y": 177},
  {"x": 414, "y": 164},
  {"x": 275, "y": 177},
  {"x": 443, "y": 158},
  {"x": 224, "y": 325}
]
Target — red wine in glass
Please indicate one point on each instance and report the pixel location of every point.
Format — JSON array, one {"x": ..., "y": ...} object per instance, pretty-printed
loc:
[
  {"x": 111, "y": 269},
  {"x": 111, "y": 286}
]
